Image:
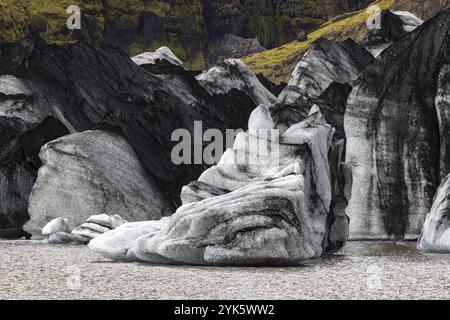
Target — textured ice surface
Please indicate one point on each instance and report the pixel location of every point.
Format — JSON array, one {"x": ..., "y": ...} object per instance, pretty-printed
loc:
[
  {"x": 234, "y": 74},
  {"x": 163, "y": 53},
  {"x": 271, "y": 211}
]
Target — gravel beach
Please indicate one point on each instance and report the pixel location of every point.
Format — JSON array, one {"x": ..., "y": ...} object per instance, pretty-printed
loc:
[{"x": 360, "y": 271}]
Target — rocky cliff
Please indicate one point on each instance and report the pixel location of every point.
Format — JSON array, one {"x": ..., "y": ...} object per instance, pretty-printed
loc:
[
  {"x": 278, "y": 64},
  {"x": 273, "y": 22},
  {"x": 198, "y": 31}
]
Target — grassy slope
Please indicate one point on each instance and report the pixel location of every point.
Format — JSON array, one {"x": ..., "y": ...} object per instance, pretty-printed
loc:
[
  {"x": 17, "y": 16},
  {"x": 279, "y": 63},
  {"x": 182, "y": 23},
  {"x": 182, "y": 28},
  {"x": 13, "y": 20}
]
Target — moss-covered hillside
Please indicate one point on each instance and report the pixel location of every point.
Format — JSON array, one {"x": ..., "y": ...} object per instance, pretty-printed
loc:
[
  {"x": 188, "y": 27},
  {"x": 278, "y": 64},
  {"x": 272, "y": 22},
  {"x": 139, "y": 26}
]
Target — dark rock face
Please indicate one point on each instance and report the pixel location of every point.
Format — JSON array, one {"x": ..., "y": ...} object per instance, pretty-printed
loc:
[
  {"x": 272, "y": 22},
  {"x": 335, "y": 6},
  {"x": 395, "y": 124},
  {"x": 341, "y": 184},
  {"x": 81, "y": 87},
  {"x": 24, "y": 127},
  {"x": 194, "y": 27},
  {"x": 324, "y": 77},
  {"x": 276, "y": 89},
  {"x": 302, "y": 36}
]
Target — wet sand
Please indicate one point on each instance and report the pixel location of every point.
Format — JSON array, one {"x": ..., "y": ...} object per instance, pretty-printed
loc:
[{"x": 360, "y": 271}]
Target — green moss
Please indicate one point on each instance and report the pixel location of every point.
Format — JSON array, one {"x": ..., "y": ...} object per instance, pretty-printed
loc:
[
  {"x": 278, "y": 64},
  {"x": 123, "y": 12},
  {"x": 198, "y": 62},
  {"x": 38, "y": 24},
  {"x": 181, "y": 25},
  {"x": 14, "y": 19},
  {"x": 55, "y": 13},
  {"x": 160, "y": 8},
  {"x": 182, "y": 29}
]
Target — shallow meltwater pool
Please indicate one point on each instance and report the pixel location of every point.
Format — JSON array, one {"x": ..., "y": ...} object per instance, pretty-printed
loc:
[{"x": 362, "y": 270}]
